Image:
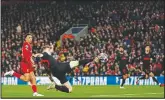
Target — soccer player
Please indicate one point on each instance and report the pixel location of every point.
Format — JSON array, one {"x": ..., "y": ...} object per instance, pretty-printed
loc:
[
  {"x": 59, "y": 69},
  {"x": 27, "y": 65},
  {"x": 122, "y": 59},
  {"x": 147, "y": 58}
]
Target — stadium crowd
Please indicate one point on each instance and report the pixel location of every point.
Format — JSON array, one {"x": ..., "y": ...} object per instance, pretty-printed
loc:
[{"x": 112, "y": 23}]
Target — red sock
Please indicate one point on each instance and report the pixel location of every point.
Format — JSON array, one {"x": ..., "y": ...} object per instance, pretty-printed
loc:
[
  {"x": 34, "y": 88},
  {"x": 17, "y": 75}
]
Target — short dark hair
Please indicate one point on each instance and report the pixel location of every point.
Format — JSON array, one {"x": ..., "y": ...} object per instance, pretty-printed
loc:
[
  {"x": 44, "y": 47},
  {"x": 147, "y": 45},
  {"x": 28, "y": 34},
  {"x": 121, "y": 46}
]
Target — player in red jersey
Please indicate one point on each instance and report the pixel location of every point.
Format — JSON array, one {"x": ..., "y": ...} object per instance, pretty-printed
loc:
[{"x": 27, "y": 65}]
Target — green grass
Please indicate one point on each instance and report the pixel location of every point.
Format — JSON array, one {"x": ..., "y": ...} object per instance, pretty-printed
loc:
[{"x": 86, "y": 92}]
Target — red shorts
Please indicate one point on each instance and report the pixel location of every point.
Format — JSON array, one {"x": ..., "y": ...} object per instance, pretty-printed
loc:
[{"x": 26, "y": 68}]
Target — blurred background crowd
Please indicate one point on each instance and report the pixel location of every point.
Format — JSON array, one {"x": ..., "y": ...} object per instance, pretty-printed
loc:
[{"x": 111, "y": 23}]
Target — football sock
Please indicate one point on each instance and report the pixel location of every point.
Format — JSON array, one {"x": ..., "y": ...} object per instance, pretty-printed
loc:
[
  {"x": 85, "y": 61},
  {"x": 17, "y": 75},
  {"x": 34, "y": 88},
  {"x": 123, "y": 81},
  {"x": 62, "y": 88},
  {"x": 155, "y": 80}
]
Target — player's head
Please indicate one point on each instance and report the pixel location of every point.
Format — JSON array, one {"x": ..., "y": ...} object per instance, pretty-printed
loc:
[
  {"x": 46, "y": 48},
  {"x": 121, "y": 50},
  {"x": 28, "y": 38},
  {"x": 147, "y": 49}
]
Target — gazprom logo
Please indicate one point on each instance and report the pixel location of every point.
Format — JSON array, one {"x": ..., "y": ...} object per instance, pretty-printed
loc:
[
  {"x": 132, "y": 81},
  {"x": 9, "y": 81},
  {"x": 90, "y": 81}
]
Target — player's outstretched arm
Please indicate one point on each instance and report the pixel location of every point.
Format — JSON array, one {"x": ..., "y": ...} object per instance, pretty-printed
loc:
[
  {"x": 52, "y": 85},
  {"x": 51, "y": 48},
  {"x": 50, "y": 77}
]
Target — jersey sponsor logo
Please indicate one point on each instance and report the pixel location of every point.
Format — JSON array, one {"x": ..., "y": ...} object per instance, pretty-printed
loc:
[
  {"x": 124, "y": 58},
  {"x": 146, "y": 58},
  {"x": 27, "y": 70},
  {"x": 45, "y": 62},
  {"x": 26, "y": 47}
]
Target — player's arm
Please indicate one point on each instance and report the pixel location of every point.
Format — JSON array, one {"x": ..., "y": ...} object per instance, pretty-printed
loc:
[
  {"x": 51, "y": 48},
  {"x": 141, "y": 63},
  {"x": 32, "y": 62},
  {"x": 117, "y": 58},
  {"x": 51, "y": 86},
  {"x": 50, "y": 77},
  {"x": 152, "y": 58}
]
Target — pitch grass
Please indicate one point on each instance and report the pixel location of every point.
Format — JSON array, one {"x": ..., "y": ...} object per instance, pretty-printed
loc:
[{"x": 85, "y": 92}]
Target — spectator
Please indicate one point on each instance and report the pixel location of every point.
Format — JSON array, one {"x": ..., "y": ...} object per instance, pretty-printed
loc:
[{"x": 112, "y": 24}]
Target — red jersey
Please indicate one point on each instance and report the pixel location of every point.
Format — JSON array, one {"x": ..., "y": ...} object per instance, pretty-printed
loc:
[{"x": 27, "y": 53}]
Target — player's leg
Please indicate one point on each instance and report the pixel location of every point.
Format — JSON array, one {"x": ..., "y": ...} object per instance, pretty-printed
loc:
[
  {"x": 146, "y": 76},
  {"x": 154, "y": 79},
  {"x": 124, "y": 77},
  {"x": 25, "y": 77},
  {"x": 25, "y": 70},
  {"x": 33, "y": 84},
  {"x": 68, "y": 66},
  {"x": 81, "y": 62},
  {"x": 66, "y": 87}
]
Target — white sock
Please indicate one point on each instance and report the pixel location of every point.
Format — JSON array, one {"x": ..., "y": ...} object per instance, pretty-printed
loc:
[{"x": 35, "y": 93}]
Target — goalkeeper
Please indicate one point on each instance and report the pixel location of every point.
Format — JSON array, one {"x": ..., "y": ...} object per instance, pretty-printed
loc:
[{"x": 59, "y": 69}]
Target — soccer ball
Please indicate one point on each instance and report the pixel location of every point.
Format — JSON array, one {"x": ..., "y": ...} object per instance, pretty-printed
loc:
[{"x": 103, "y": 56}]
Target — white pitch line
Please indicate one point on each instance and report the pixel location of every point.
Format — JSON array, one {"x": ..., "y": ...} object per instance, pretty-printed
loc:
[
  {"x": 109, "y": 96},
  {"x": 155, "y": 93},
  {"x": 131, "y": 94},
  {"x": 124, "y": 95},
  {"x": 103, "y": 95}
]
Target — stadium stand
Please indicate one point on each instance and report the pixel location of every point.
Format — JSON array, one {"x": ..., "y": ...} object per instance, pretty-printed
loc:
[{"x": 111, "y": 24}]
